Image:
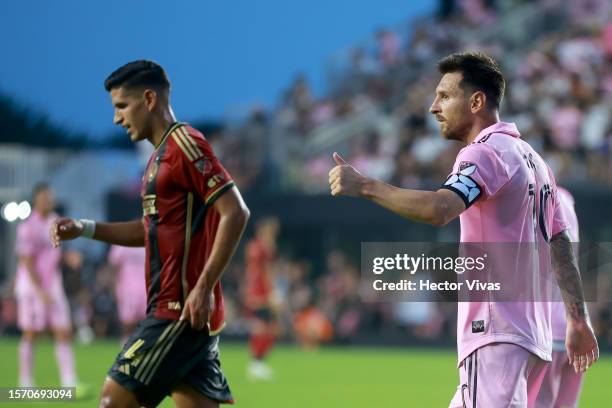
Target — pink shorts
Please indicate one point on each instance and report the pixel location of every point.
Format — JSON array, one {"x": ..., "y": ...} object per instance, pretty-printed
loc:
[
  {"x": 34, "y": 315},
  {"x": 561, "y": 386},
  {"x": 499, "y": 375},
  {"x": 132, "y": 306}
]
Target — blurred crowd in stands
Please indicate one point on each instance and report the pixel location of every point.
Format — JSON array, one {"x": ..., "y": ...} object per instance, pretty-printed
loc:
[{"x": 557, "y": 57}]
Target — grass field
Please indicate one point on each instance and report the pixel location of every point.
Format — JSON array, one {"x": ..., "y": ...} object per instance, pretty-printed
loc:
[{"x": 330, "y": 377}]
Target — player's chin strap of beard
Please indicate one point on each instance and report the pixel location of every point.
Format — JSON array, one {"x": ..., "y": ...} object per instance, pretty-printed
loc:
[{"x": 89, "y": 228}]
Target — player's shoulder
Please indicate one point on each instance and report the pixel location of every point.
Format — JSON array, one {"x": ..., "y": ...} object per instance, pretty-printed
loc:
[
  {"x": 188, "y": 142},
  {"x": 477, "y": 151},
  {"x": 193, "y": 132},
  {"x": 565, "y": 195}
]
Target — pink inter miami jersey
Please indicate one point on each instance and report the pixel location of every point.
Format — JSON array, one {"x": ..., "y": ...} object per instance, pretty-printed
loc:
[
  {"x": 511, "y": 197},
  {"x": 130, "y": 264},
  {"x": 33, "y": 240},
  {"x": 558, "y": 308}
]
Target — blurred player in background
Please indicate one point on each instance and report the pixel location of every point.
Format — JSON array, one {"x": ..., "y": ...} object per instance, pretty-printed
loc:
[
  {"x": 193, "y": 218},
  {"x": 260, "y": 295},
  {"x": 503, "y": 191},
  {"x": 130, "y": 286},
  {"x": 561, "y": 386},
  {"x": 39, "y": 289}
]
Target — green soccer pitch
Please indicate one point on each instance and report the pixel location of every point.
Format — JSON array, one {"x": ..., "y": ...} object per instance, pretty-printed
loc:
[{"x": 329, "y": 377}]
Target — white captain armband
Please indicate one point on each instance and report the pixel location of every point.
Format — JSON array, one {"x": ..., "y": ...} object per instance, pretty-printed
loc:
[{"x": 464, "y": 185}]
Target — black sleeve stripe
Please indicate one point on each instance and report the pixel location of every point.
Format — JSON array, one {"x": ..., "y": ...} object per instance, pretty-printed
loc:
[
  {"x": 214, "y": 196},
  {"x": 459, "y": 193}
]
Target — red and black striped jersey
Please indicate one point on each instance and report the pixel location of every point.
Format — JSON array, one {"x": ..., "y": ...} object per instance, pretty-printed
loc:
[
  {"x": 181, "y": 182},
  {"x": 259, "y": 285}
]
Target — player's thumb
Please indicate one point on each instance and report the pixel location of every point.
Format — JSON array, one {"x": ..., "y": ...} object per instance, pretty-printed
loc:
[
  {"x": 185, "y": 313},
  {"x": 65, "y": 224},
  {"x": 338, "y": 159}
]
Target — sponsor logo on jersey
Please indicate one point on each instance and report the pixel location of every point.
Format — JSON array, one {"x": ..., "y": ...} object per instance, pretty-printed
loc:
[
  {"x": 153, "y": 169},
  {"x": 204, "y": 166},
  {"x": 214, "y": 180},
  {"x": 174, "y": 306},
  {"x": 478, "y": 326}
]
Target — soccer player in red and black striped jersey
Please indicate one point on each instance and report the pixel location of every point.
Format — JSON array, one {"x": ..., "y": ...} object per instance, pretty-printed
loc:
[
  {"x": 193, "y": 219},
  {"x": 261, "y": 297}
]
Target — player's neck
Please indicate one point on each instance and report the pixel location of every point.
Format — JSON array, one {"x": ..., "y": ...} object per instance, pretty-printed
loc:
[
  {"x": 481, "y": 123},
  {"x": 42, "y": 214},
  {"x": 161, "y": 126}
]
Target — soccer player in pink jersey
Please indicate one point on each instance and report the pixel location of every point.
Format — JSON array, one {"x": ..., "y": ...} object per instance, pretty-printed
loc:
[
  {"x": 130, "y": 286},
  {"x": 503, "y": 192},
  {"x": 561, "y": 386},
  {"x": 41, "y": 300}
]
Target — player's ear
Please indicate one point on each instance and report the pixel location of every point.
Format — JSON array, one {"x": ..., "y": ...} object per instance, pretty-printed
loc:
[
  {"x": 478, "y": 101},
  {"x": 151, "y": 99}
]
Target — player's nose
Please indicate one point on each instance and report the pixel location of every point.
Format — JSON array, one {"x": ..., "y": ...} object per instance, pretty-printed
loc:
[
  {"x": 434, "y": 108},
  {"x": 117, "y": 119}
]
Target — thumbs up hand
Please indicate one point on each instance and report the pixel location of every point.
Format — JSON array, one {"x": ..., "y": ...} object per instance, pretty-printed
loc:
[
  {"x": 344, "y": 179},
  {"x": 338, "y": 159}
]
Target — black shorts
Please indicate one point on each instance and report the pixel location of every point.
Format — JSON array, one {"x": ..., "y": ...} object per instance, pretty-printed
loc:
[
  {"x": 162, "y": 354},
  {"x": 263, "y": 313}
]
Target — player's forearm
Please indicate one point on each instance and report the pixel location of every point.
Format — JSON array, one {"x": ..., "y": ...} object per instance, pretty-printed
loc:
[
  {"x": 417, "y": 205},
  {"x": 567, "y": 274},
  {"x": 129, "y": 233},
  {"x": 230, "y": 229}
]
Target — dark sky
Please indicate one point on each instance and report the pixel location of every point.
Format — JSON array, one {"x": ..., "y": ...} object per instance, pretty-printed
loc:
[{"x": 222, "y": 56}]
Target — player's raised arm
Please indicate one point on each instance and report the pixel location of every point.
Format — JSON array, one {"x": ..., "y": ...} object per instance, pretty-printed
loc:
[
  {"x": 129, "y": 233},
  {"x": 580, "y": 341},
  {"x": 233, "y": 217},
  {"x": 431, "y": 207}
]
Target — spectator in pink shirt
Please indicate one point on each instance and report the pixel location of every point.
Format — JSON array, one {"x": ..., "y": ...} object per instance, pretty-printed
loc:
[{"x": 564, "y": 125}]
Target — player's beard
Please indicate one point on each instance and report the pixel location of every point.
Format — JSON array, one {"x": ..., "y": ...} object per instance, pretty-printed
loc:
[{"x": 457, "y": 132}]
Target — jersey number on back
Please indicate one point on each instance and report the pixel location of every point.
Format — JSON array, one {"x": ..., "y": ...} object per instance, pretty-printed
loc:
[{"x": 545, "y": 191}]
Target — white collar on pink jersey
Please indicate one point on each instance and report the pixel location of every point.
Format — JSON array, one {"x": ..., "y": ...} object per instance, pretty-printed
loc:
[{"x": 499, "y": 127}]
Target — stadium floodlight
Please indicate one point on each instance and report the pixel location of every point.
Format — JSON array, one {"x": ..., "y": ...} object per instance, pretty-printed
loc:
[
  {"x": 10, "y": 212},
  {"x": 24, "y": 210}
]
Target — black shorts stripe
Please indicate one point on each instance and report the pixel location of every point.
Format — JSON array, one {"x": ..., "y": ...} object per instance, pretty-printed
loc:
[
  {"x": 470, "y": 374},
  {"x": 161, "y": 340},
  {"x": 171, "y": 340},
  {"x": 475, "y": 378},
  {"x": 152, "y": 356},
  {"x": 162, "y": 353}
]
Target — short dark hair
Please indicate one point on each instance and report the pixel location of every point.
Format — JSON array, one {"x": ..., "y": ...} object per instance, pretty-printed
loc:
[
  {"x": 39, "y": 188},
  {"x": 137, "y": 74},
  {"x": 480, "y": 72}
]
